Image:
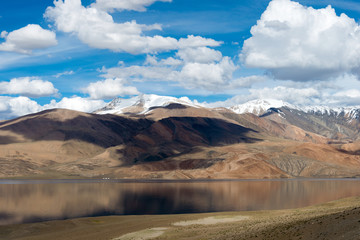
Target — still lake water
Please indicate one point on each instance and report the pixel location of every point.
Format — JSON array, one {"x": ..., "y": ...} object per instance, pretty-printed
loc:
[{"x": 35, "y": 201}]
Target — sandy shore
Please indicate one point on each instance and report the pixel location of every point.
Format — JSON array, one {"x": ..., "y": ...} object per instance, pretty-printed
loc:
[{"x": 334, "y": 220}]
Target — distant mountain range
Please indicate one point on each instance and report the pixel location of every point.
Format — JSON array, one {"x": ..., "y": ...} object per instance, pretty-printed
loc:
[
  {"x": 341, "y": 123},
  {"x": 146, "y": 102},
  {"x": 152, "y": 136}
]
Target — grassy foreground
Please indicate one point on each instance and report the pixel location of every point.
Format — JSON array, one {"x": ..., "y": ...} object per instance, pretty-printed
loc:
[{"x": 334, "y": 220}]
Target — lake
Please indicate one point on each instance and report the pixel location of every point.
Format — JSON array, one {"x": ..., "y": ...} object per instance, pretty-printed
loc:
[{"x": 35, "y": 201}]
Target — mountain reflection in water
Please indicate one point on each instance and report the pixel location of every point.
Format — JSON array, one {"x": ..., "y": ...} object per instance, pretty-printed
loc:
[{"x": 34, "y": 202}]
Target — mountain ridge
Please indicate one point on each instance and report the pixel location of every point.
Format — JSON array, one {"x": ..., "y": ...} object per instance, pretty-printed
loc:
[
  {"x": 257, "y": 107},
  {"x": 339, "y": 123}
]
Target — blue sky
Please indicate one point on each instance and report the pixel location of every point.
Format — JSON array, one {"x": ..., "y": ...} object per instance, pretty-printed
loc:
[{"x": 80, "y": 54}]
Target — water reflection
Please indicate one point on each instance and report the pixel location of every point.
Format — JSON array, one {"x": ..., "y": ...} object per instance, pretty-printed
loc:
[{"x": 21, "y": 203}]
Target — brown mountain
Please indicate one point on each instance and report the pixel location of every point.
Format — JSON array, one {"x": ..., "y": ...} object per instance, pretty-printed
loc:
[{"x": 173, "y": 141}]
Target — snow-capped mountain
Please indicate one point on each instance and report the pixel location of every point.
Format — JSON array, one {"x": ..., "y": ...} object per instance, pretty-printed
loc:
[
  {"x": 332, "y": 122},
  {"x": 142, "y": 104},
  {"x": 347, "y": 112},
  {"x": 260, "y": 106}
]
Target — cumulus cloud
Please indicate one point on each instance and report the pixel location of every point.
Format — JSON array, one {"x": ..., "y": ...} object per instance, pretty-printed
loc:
[
  {"x": 197, "y": 41},
  {"x": 139, "y": 73},
  {"x": 109, "y": 88},
  {"x": 207, "y": 76},
  {"x": 199, "y": 55},
  {"x": 191, "y": 75},
  {"x": 76, "y": 103},
  {"x": 135, "y": 5},
  {"x": 246, "y": 82},
  {"x": 296, "y": 96},
  {"x": 170, "y": 61},
  {"x": 17, "y": 106},
  {"x": 11, "y": 107},
  {"x": 28, "y": 86},
  {"x": 27, "y": 39},
  {"x": 294, "y": 42},
  {"x": 96, "y": 27},
  {"x": 291, "y": 95}
]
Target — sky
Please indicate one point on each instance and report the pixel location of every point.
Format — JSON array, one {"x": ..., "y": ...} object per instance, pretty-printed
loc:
[{"x": 81, "y": 54}]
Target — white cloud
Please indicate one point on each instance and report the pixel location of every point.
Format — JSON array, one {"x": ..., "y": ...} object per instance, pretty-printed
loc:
[
  {"x": 299, "y": 96},
  {"x": 28, "y": 86},
  {"x": 349, "y": 97},
  {"x": 76, "y": 103},
  {"x": 167, "y": 62},
  {"x": 151, "y": 60},
  {"x": 296, "y": 96},
  {"x": 97, "y": 28},
  {"x": 294, "y": 42},
  {"x": 11, "y": 107},
  {"x": 139, "y": 73},
  {"x": 191, "y": 75},
  {"x": 27, "y": 39},
  {"x": 196, "y": 41},
  {"x": 17, "y": 106},
  {"x": 246, "y": 82},
  {"x": 64, "y": 73},
  {"x": 109, "y": 88},
  {"x": 207, "y": 76},
  {"x": 4, "y": 34},
  {"x": 353, "y": 93},
  {"x": 199, "y": 55},
  {"x": 135, "y": 5},
  {"x": 170, "y": 61}
]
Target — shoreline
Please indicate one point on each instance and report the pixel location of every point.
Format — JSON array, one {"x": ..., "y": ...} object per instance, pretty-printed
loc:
[
  {"x": 338, "y": 219},
  {"x": 110, "y": 180}
]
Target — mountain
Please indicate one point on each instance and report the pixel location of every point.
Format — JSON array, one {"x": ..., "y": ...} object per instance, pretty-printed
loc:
[
  {"x": 340, "y": 124},
  {"x": 152, "y": 136}
]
